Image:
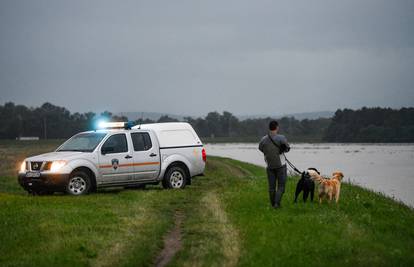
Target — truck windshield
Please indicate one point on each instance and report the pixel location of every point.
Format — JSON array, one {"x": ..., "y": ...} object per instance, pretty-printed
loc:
[{"x": 83, "y": 142}]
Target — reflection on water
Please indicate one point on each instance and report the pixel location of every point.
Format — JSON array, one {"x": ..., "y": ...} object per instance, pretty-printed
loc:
[{"x": 382, "y": 167}]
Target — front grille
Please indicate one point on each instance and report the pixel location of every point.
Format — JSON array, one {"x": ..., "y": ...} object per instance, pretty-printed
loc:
[{"x": 36, "y": 165}]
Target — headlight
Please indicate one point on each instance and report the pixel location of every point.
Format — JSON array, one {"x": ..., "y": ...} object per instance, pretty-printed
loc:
[
  {"x": 56, "y": 165},
  {"x": 23, "y": 166}
]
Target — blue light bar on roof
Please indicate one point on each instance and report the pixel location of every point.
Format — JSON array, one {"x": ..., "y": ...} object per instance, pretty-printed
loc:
[{"x": 115, "y": 125}]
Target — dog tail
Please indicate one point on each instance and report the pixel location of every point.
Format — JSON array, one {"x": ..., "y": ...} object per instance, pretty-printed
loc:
[{"x": 317, "y": 177}]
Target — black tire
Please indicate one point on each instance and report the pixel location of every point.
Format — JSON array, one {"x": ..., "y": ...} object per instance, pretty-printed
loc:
[
  {"x": 175, "y": 178},
  {"x": 79, "y": 183},
  {"x": 164, "y": 182}
]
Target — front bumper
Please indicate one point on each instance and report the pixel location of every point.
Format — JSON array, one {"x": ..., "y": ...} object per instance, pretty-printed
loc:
[{"x": 51, "y": 182}]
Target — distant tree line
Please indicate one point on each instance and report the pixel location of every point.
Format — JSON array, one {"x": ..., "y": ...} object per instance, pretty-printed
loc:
[
  {"x": 371, "y": 125},
  {"x": 46, "y": 122},
  {"x": 226, "y": 126},
  {"x": 366, "y": 125}
]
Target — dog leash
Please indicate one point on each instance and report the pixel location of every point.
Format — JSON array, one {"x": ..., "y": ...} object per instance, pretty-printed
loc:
[
  {"x": 288, "y": 161},
  {"x": 291, "y": 165}
]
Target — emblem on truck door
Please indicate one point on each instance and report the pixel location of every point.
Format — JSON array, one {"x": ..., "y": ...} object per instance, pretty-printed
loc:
[{"x": 115, "y": 163}]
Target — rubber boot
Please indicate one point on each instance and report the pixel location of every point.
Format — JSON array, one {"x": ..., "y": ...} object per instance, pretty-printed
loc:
[
  {"x": 278, "y": 199},
  {"x": 272, "y": 196}
]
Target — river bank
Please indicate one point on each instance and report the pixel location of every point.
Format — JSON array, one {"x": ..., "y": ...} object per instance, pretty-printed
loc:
[{"x": 385, "y": 168}]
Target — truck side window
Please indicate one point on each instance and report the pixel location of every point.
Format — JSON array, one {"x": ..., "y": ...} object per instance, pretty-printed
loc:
[
  {"x": 141, "y": 141},
  {"x": 117, "y": 143}
]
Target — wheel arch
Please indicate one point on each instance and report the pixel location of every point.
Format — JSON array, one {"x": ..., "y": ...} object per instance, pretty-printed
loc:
[{"x": 182, "y": 165}]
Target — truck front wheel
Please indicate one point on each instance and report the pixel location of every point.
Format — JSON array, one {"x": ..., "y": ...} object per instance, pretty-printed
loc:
[
  {"x": 175, "y": 178},
  {"x": 79, "y": 183}
]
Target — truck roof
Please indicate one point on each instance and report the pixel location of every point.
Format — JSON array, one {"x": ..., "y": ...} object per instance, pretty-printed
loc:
[
  {"x": 164, "y": 126},
  {"x": 169, "y": 134}
]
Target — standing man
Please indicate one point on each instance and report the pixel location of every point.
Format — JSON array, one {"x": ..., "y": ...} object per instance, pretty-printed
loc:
[{"x": 273, "y": 146}]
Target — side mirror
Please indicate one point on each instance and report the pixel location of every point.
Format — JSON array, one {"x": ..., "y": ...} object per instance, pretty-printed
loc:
[{"x": 108, "y": 149}]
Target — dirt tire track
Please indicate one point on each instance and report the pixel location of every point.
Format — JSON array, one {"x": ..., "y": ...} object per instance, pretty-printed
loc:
[
  {"x": 172, "y": 242},
  {"x": 233, "y": 170}
]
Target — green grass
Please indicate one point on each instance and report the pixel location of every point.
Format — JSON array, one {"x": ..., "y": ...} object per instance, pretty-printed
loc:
[
  {"x": 363, "y": 229},
  {"x": 227, "y": 222}
]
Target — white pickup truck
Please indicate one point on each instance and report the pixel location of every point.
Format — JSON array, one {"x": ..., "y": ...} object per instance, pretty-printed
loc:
[{"x": 118, "y": 155}]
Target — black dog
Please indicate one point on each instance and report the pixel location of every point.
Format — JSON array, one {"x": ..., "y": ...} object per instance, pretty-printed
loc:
[{"x": 306, "y": 184}]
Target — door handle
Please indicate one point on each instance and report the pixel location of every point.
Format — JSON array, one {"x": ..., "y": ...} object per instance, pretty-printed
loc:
[
  {"x": 128, "y": 157},
  {"x": 153, "y": 155}
]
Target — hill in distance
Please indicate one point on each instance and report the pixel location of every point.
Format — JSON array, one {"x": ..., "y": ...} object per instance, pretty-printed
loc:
[
  {"x": 298, "y": 116},
  {"x": 311, "y": 115},
  {"x": 132, "y": 116}
]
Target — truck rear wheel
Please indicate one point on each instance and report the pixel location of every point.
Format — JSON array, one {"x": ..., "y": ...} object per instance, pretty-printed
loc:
[
  {"x": 78, "y": 184},
  {"x": 175, "y": 178}
]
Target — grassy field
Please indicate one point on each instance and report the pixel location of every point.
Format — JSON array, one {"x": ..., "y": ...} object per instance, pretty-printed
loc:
[{"x": 226, "y": 221}]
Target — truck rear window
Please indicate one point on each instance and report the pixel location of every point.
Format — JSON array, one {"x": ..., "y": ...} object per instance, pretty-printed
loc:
[{"x": 141, "y": 141}]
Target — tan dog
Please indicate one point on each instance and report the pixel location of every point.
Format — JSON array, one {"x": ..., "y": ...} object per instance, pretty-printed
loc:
[{"x": 329, "y": 188}]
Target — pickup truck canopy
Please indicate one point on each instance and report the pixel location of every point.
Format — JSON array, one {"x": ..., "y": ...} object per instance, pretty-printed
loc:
[{"x": 173, "y": 134}]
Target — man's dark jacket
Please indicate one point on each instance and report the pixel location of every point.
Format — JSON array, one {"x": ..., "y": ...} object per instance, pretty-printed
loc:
[{"x": 272, "y": 152}]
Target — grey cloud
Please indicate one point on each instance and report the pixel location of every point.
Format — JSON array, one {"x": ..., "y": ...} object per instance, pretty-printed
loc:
[{"x": 191, "y": 57}]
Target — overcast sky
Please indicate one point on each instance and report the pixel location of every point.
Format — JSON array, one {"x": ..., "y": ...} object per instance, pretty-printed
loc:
[{"x": 192, "y": 57}]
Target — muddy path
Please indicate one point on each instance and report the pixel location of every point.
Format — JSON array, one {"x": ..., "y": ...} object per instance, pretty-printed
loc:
[
  {"x": 172, "y": 242},
  {"x": 205, "y": 216}
]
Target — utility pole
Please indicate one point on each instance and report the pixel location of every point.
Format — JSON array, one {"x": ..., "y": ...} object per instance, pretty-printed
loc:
[
  {"x": 45, "y": 128},
  {"x": 19, "y": 117},
  {"x": 229, "y": 129}
]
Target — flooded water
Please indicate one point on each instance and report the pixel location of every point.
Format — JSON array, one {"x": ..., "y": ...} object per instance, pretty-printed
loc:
[{"x": 381, "y": 167}]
